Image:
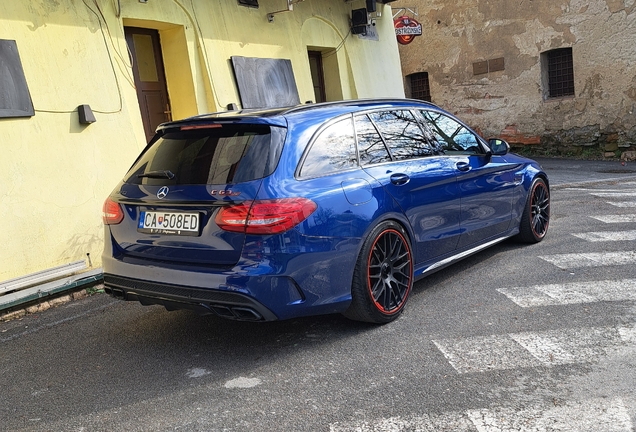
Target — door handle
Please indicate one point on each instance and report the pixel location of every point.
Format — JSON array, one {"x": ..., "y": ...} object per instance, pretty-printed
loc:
[
  {"x": 463, "y": 166},
  {"x": 399, "y": 179}
]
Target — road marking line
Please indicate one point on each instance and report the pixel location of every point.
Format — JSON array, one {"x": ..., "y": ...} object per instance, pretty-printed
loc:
[
  {"x": 566, "y": 346},
  {"x": 616, "y": 218},
  {"x": 613, "y": 194},
  {"x": 607, "y": 236},
  {"x": 571, "y": 261},
  {"x": 530, "y": 349},
  {"x": 572, "y": 293},
  {"x": 484, "y": 353},
  {"x": 584, "y": 189},
  {"x": 450, "y": 421},
  {"x": 598, "y": 415},
  {"x": 622, "y": 204}
]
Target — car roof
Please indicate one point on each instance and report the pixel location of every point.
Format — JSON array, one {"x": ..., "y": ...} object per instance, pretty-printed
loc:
[{"x": 281, "y": 116}]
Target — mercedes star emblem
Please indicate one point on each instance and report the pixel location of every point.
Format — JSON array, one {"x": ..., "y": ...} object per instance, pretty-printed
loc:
[{"x": 163, "y": 192}]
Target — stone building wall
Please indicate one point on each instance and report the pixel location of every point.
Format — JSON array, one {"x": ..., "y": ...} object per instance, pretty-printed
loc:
[{"x": 461, "y": 38}]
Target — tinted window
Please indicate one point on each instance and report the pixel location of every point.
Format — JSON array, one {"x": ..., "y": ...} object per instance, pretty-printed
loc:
[
  {"x": 370, "y": 144},
  {"x": 452, "y": 136},
  {"x": 334, "y": 150},
  {"x": 227, "y": 154},
  {"x": 402, "y": 134}
]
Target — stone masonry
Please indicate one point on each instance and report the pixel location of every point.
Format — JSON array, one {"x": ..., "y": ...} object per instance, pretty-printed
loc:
[{"x": 462, "y": 39}]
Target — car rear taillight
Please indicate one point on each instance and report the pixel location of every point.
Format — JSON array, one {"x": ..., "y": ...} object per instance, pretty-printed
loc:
[
  {"x": 112, "y": 214},
  {"x": 265, "y": 216}
]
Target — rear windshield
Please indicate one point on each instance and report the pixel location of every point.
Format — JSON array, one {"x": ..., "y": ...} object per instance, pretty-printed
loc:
[{"x": 219, "y": 155}]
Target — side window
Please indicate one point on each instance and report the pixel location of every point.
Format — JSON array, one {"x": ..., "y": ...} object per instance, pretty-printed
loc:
[
  {"x": 334, "y": 150},
  {"x": 452, "y": 136},
  {"x": 370, "y": 144},
  {"x": 402, "y": 134}
]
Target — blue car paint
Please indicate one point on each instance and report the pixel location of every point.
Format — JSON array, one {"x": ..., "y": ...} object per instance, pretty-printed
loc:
[{"x": 308, "y": 270}]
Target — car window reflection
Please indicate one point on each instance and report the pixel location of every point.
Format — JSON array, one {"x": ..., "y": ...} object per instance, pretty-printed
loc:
[
  {"x": 334, "y": 150},
  {"x": 452, "y": 136},
  {"x": 402, "y": 133},
  {"x": 370, "y": 145}
]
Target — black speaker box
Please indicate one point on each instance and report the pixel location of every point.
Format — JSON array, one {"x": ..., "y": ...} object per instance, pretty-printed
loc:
[{"x": 359, "y": 17}]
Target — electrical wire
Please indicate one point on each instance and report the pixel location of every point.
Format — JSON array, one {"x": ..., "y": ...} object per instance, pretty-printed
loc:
[
  {"x": 110, "y": 58},
  {"x": 118, "y": 3},
  {"x": 338, "y": 48},
  {"x": 201, "y": 39},
  {"x": 110, "y": 36}
]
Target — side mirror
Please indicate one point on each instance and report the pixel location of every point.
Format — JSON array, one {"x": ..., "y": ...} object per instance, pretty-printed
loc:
[{"x": 498, "y": 146}]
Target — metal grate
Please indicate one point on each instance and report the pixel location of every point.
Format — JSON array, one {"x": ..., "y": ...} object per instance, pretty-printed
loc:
[
  {"x": 560, "y": 72},
  {"x": 420, "y": 88}
]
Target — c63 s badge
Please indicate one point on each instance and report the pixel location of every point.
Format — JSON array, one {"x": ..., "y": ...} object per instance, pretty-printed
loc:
[{"x": 227, "y": 192}]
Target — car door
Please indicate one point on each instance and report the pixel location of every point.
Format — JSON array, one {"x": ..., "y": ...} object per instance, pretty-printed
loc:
[
  {"x": 394, "y": 149},
  {"x": 486, "y": 182}
]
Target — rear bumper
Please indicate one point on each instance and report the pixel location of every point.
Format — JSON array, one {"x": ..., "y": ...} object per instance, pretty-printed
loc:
[
  {"x": 290, "y": 281},
  {"x": 203, "y": 301}
]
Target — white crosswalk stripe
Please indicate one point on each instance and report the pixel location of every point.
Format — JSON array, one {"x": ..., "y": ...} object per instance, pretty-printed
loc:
[
  {"x": 591, "y": 415},
  {"x": 607, "y": 236},
  {"x": 572, "y": 293},
  {"x": 579, "y": 260},
  {"x": 610, "y": 219},
  {"x": 613, "y": 194},
  {"x": 587, "y": 189},
  {"x": 623, "y": 204},
  {"x": 533, "y": 349}
]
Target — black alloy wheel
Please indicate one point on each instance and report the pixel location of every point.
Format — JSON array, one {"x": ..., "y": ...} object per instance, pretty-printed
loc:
[
  {"x": 383, "y": 276},
  {"x": 536, "y": 215}
]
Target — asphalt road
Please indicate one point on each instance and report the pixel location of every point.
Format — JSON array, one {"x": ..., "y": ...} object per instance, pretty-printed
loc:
[{"x": 533, "y": 338}]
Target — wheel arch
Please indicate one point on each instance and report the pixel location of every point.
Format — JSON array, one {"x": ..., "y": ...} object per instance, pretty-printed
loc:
[{"x": 396, "y": 217}]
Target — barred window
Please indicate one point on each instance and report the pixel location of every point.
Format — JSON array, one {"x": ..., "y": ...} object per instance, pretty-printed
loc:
[
  {"x": 420, "y": 88},
  {"x": 558, "y": 68}
]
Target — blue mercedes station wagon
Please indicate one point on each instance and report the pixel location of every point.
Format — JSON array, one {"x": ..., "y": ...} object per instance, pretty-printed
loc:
[{"x": 315, "y": 209}]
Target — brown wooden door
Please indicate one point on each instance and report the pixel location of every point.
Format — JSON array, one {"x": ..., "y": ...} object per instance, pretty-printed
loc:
[
  {"x": 317, "y": 75},
  {"x": 150, "y": 78}
]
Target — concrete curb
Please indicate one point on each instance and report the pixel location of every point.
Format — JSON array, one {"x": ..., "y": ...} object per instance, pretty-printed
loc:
[{"x": 51, "y": 303}]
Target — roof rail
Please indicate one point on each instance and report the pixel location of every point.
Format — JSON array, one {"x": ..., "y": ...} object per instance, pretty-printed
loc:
[{"x": 350, "y": 102}]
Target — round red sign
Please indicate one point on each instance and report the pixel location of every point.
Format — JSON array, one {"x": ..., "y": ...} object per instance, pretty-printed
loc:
[{"x": 406, "y": 28}]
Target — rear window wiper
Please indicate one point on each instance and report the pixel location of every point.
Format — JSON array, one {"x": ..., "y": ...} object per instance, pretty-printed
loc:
[{"x": 167, "y": 174}]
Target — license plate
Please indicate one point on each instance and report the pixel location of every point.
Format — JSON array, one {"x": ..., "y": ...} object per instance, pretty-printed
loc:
[{"x": 169, "y": 223}]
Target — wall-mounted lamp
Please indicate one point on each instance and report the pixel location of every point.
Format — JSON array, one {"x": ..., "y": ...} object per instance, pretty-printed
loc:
[{"x": 86, "y": 115}]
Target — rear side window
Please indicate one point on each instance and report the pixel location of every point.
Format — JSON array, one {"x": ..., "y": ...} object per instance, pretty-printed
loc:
[
  {"x": 220, "y": 155},
  {"x": 334, "y": 150},
  {"x": 370, "y": 145},
  {"x": 402, "y": 134}
]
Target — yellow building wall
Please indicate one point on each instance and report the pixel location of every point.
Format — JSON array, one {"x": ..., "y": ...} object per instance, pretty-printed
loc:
[{"x": 56, "y": 173}]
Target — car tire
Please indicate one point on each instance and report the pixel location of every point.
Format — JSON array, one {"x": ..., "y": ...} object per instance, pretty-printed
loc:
[
  {"x": 536, "y": 213},
  {"x": 383, "y": 276}
]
